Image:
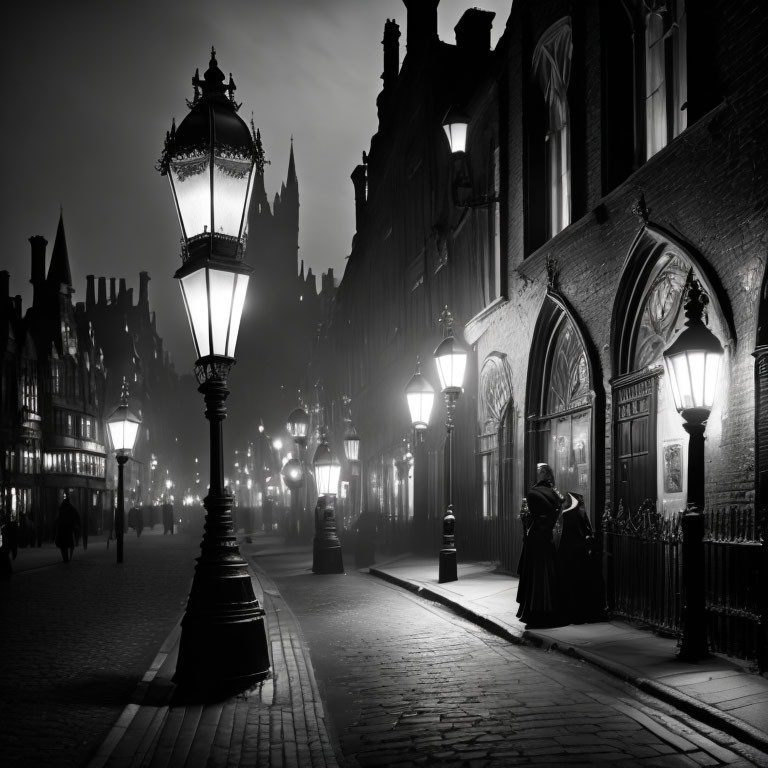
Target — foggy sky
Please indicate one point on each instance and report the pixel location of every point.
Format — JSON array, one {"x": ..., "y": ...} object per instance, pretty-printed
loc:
[{"x": 91, "y": 86}]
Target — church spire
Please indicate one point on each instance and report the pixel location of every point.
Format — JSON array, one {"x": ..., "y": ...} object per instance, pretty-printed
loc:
[
  {"x": 291, "y": 168},
  {"x": 58, "y": 272}
]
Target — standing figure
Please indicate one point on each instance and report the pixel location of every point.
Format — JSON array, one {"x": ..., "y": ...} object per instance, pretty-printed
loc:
[
  {"x": 578, "y": 564},
  {"x": 67, "y": 529},
  {"x": 167, "y": 518},
  {"x": 537, "y": 590}
]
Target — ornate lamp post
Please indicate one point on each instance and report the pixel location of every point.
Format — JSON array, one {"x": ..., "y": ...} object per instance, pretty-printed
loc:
[
  {"x": 326, "y": 550},
  {"x": 420, "y": 395},
  {"x": 693, "y": 366},
  {"x": 451, "y": 359},
  {"x": 298, "y": 429},
  {"x": 210, "y": 161},
  {"x": 123, "y": 428},
  {"x": 352, "y": 452}
]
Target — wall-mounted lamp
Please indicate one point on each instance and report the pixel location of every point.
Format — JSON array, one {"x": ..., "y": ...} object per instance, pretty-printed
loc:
[{"x": 456, "y": 126}]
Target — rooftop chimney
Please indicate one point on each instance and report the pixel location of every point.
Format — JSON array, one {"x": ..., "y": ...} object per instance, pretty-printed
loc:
[
  {"x": 422, "y": 24},
  {"x": 102, "y": 291},
  {"x": 391, "y": 43},
  {"x": 473, "y": 32},
  {"x": 90, "y": 295},
  {"x": 112, "y": 294},
  {"x": 5, "y": 282},
  {"x": 143, "y": 288}
]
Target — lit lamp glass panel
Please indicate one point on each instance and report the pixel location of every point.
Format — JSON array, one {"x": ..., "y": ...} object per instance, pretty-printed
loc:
[
  {"x": 451, "y": 362},
  {"x": 420, "y": 405},
  {"x": 214, "y": 299},
  {"x": 191, "y": 185},
  {"x": 693, "y": 377},
  {"x": 123, "y": 429},
  {"x": 232, "y": 184},
  {"x": 352, "y": 447},
  {"x": 298, "y": 423},
  {"x": 327, "y": 471},
  {"x": 456, "y": 131}
]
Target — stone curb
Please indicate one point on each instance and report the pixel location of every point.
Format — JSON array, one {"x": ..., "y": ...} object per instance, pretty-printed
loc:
[{"x": 700, "y": 710}]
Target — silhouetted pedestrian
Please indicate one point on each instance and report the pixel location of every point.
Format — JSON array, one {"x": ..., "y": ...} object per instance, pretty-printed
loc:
[
  {"x": 167, "y": 518},
  {"x": 6, "y": 569},
  {"x": 578, "y": 564},
  {"x": 365, "y": 540},
  {"x": 67, "y": 529},
  {"x": 537, "y": 590}
]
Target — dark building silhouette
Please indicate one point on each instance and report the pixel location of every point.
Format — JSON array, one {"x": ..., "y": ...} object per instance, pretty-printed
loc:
[
  {"x": 613, "y": 149},
  {"x": 280, "y": 317},
  {"x": 54, "y": 383}
]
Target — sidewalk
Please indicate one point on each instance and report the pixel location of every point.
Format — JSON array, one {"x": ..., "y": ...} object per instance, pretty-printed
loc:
[{"x": 718, "y": 691}]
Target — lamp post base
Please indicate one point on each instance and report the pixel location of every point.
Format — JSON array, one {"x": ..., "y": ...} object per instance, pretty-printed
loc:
[
  {"x": 447, "y": 568},
  {"x": 326, "y": 548},
  {"x": 223, "y": 646}
]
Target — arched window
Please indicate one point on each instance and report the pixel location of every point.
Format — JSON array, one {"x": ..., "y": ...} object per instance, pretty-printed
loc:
[
  {"x": 650, "y": 444},
  {"x": 552, "y": 71},
  {"x": 561, "y": 424}
]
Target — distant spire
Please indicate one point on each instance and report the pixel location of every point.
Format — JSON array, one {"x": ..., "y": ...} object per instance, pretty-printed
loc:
[
  {"x": 291, "y": 168},
  {"x": 58, "y": 271},
  {"x": 301, "y": 273}
]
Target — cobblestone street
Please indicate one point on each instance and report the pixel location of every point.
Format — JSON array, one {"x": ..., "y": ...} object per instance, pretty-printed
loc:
[
  {"x": 76, "y": 637},
  {"x": 409, "y": 683},
  {"x": 360, "y": 667}
]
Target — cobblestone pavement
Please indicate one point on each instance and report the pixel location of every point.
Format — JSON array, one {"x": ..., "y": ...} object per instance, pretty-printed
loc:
[
  {"x": 76, "y": 637},
  {"x": 408, "y": 683}
]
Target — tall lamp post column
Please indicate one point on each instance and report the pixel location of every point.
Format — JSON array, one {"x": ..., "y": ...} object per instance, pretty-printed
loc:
[
  {"x": 451, "y": 360},
  {"x": 210, "y": 160},
  {"x": 123, "y": 428},
  {"x": 352, "y": 452},
  {"x": 326, "y": 550},
  {"x": 298, "y": 429},
  {"x": 693, "y": 365},
  {"x": 420, "y": 395}
]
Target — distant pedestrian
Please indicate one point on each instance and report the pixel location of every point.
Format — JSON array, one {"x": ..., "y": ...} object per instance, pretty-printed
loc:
[
  {"x": 578, "y": 564},
  {"x": 537, "y": 590},
  {"x": 67, "y": 529},
  {"x": 167, "y": 518},
  {"x": 6, "y": 569},
  {"x": 365, "y": 540},
  {"x": 139, "y": 518}
]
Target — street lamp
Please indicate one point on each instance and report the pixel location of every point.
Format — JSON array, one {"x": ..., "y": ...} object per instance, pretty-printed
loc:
[
  {"x": 326, "y": 551},
  {"x": 123, "y": 428},
  {"x": 211, "y": 161},
  {"x": 352, "y": 452},
  {"x": 455, "y": 125},
  {"x": 298, "y": 428},
  {"x": 451, "y": 359},
  {"x": 693, "y": 365},
  {"x": 420, "y": 395}
]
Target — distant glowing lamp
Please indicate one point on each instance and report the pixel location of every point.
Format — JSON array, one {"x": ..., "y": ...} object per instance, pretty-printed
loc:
[{"x": 421, "y": 397}]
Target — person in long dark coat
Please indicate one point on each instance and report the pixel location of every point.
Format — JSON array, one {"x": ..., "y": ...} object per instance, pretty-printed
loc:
[
  {"x": 67, "y": 529},
  {"x": 578, "y": 564},
  {"x": 537, "y": 590}
]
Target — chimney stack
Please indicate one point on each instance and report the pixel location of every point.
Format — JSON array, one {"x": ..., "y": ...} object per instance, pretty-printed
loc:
[
  {"x": 391, "y": 43},
  {"x": 38, "y": 243},
  {"x": 90, "y": 295},
  {"x": 102, "y": 291},
  {"x": 112, "y": 294},
  {"x": 422, "y": 24},
  {"x": 143, "y": 288},
  {"x": 5, "y": 283},
  {"x": 473, "y": 32}
]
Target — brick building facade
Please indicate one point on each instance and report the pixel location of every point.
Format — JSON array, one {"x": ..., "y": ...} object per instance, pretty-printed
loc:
[{"x": 614, "y": 151}]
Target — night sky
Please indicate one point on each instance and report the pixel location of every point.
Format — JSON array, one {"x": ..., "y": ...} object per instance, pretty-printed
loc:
[{"x": 90, "y": 90}]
